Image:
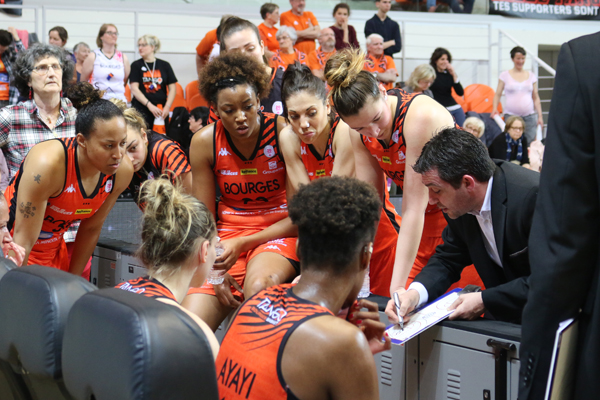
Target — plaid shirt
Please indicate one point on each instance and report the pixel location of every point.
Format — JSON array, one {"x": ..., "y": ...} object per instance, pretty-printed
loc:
[
  {"x": 8, "y": 58},
  {"x": 21, "y": 128}
]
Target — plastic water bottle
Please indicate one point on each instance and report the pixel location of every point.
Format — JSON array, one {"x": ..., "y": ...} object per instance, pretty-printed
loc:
[
  {"x": 366, "y": 286},
  {"x": 216, "y": 276}
]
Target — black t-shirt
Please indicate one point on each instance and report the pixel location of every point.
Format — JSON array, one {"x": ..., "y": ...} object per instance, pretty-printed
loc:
[{"x": 153, "y": 79}]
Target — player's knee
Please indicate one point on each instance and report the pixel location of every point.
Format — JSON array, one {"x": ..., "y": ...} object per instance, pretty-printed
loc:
[{"x": 258, "y": 284}]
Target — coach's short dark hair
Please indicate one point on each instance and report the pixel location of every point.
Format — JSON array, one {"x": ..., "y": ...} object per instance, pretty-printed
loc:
[{"x": 455, "y": 153}]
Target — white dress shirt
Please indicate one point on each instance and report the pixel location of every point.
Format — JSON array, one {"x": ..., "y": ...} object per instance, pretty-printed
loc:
[{"x": 484, "y": 218}]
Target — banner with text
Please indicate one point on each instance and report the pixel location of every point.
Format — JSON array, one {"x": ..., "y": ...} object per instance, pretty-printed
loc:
[{"x": 547, "y": 9}]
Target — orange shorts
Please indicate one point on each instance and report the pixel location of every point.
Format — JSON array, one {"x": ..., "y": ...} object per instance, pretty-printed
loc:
[
  {"x": 58, "y": 258},
  {"x": 286, "y": 247},
  {"x": 432, "y": 237},
  {"x": 381, "y": 266}
]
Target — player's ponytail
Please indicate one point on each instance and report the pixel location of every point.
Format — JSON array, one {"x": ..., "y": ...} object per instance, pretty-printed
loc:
[{"x": 90, "y": 107}]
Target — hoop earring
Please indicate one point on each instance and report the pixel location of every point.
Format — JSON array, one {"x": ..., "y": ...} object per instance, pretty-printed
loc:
[{"x": 30, "y": 93}]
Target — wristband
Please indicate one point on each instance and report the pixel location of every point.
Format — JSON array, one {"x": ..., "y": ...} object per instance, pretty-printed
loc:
[{"x": 147, "y": 102}]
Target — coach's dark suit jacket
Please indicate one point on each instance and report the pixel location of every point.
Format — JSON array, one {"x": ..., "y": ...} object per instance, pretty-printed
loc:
[
  {"x": 565, "y": 236},
  {"x": 514, "y": 193}
]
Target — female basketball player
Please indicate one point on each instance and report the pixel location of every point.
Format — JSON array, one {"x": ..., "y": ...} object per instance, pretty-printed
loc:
[
  {"x": 392, "y": 129},
  {"x": 178, "y": 245},
  {"x": 317, "y": 144},
  {"x": 240, "y": 153},
  {"x": 65, "y": 180},
  {"x": 153, "y": 155}
]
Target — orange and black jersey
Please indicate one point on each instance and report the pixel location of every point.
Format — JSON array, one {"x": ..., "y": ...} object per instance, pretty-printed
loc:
[
  {"x": 164, "y": 157},
  {"x": 72, "y": 204},
  {"x": 147, "y": 286},
  {"x": 319, "y": 165},
  {"x": 249, "y": 362},
  {"x": 270, "y": 104},
  {"x": 252, "y": 190}
]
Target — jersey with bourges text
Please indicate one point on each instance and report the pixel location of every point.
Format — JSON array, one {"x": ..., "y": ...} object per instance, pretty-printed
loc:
[
  {"x": 252, "y": 190},
  {"x": 249, "y": 362},
  {"x": 71, "y": 205},
  {"x": 318, "y": 165},
  {"x": 148, "y": 287}
]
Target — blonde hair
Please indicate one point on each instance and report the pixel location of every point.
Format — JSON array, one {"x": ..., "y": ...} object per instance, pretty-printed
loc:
[
  {"x": 134, "y": 119},
  {"x": 174, "y": 225},
  {"x": 119, "y": 103},
  {"x": 478, "y": 123},
  {"x": 152, "y": 41},
  {"x": 351, "y": 86},
  {"x": 101, "y": 33},
  {"x": 423, "y": 71}
]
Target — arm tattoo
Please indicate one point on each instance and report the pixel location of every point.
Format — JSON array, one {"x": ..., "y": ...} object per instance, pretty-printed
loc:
[
  {"x": 37, "y": 178},
  {"x": 26, "y": 209}
]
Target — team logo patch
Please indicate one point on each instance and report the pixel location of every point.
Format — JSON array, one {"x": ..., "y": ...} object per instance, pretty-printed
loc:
[
  {"x": 45, "y": 235},
  {"x": 278, "y": 108},
  {"x": 70, "y": 189},
  {"x": 223, "y": 152},
  {"x": 108, "y": 186},
  {"x": 274, "y": 315},
  {"x": 269, "y": 151},
  {"x": 386, "y": 160},
  {"x": 302, "y": 150},
  {"x": 395, "y": 137},
  {"x": 83, "y": 211},
  {"x": 144, "y": 69},
  {"x": 249, "y": 171},
  {"x": 150, "y": 175},
  {"x": 272, "y": 164}
]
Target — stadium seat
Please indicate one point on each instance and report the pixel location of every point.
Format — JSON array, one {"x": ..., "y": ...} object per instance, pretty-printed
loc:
[
  {"x": 191, "y": 89},
  {"x": 197, "y": 101},
  {"x": 179, "y": 97},
  {"x": 480, "y": 98},
  {"x": 120, "y": 345},
  {"x": 128, "y": 92},
  {"x": 34, "y": 304}
]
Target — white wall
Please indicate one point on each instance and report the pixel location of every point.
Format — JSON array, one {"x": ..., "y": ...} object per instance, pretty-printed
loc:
[{"x": 181, "y": 26}]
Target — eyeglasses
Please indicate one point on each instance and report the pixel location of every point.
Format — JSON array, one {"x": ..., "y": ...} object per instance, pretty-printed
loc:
[
  {"x": 112, "y": 33},
  {"x": 45, "y": 68},
  {"x": 516, "y": 128},
  {"x": 143, "y": 44},
  {"x": 284, "y": 38}
]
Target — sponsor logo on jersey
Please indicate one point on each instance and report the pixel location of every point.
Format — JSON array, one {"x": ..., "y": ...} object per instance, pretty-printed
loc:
[
  {"x": 70, "y": 189},
  {"x": 60, "y": 210},
  {"x": 310, "y": 174},
  {"x": 150, "y": 175},
  {"x": 127, "y": 286},
  {"x": 269, "y": 151},
  {"x": 223, "y": 152},
  {"x": 45, "y": 235},
  {"x": 273, "y": 171},
  {"x": 386, "y": 160},
  {"x": 302, "y": 150},
  {"x": 401, "y": 158},
  {"x": 274, "y": 315},
  {"x": 83, "y": 211},
  {"x": 272, "y": 164},
  {"x": 109, "y": 185},
  {"x": 251, "y": 187},
  {"x": 277, "y": 241},
  {"x": 228, "y": 172},
  {"x": 396, "y": 136},
  {"x": 249, "y": 171},
  {"x": 278, "y": 108},
  {"x": 272, "y": 247},
  {"x": 320, "y": 172}
]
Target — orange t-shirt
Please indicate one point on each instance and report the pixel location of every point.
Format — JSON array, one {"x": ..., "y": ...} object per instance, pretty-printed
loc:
[
  {"x": 268, "y": 37},
  {"x": 206, "y": 44},
  {"x": 318, "y": 58},
  {"x": 281, "y": 60},
  {"x": 381, "y": 64},
  {"x": 300, "y": 23}
]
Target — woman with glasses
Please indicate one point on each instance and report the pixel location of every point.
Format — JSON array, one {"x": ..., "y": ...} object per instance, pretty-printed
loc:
[
  {"x": 107, "y": 68},
  {"x": 286, "y": 54},
  {"x": 150, "y": 78},
  {"x": 512, "y": 144}
]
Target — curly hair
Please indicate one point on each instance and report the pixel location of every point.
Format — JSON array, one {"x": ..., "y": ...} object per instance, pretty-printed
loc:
[
  {"x": 351, "y": 86},
  {"x": 232, "y": 69},
  {"x": 335, "y": 217},
  {"x": 90, "y": 107},
  {"x": 23, "y": 66},
  {"x": 174, "y": 225}
]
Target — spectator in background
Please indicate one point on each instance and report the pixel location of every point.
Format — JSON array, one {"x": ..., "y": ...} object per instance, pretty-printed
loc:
[
  {"x": 446, "y": 80},
  {"x": 512, "y": 145},
  {"x": 270, "y": 15},
  {"x": 58, "y": 37},
  {"x": 522, "y": 98},
  {"x": 198, "y": 119},
  {"x": 386, "y": 27},
  {"x": 205, "y": 51},
  {"x": 150, "y": 78},
  {"x": 381, "y": 66},
  {"x": 107, "y": 68},
  {"x": 420, "y": 80},
  {"x": 10, "y": 45},
  {"x": 305, "y": 24},
  {"x": 317, "y": 59},
  {"x": 474, "y": 126},
  {"x": 287, "y": 54},
  {"x": 345, "y": 35},
  {"x": 454, "y": 6},
  {"x": 81, "y": 51}
]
